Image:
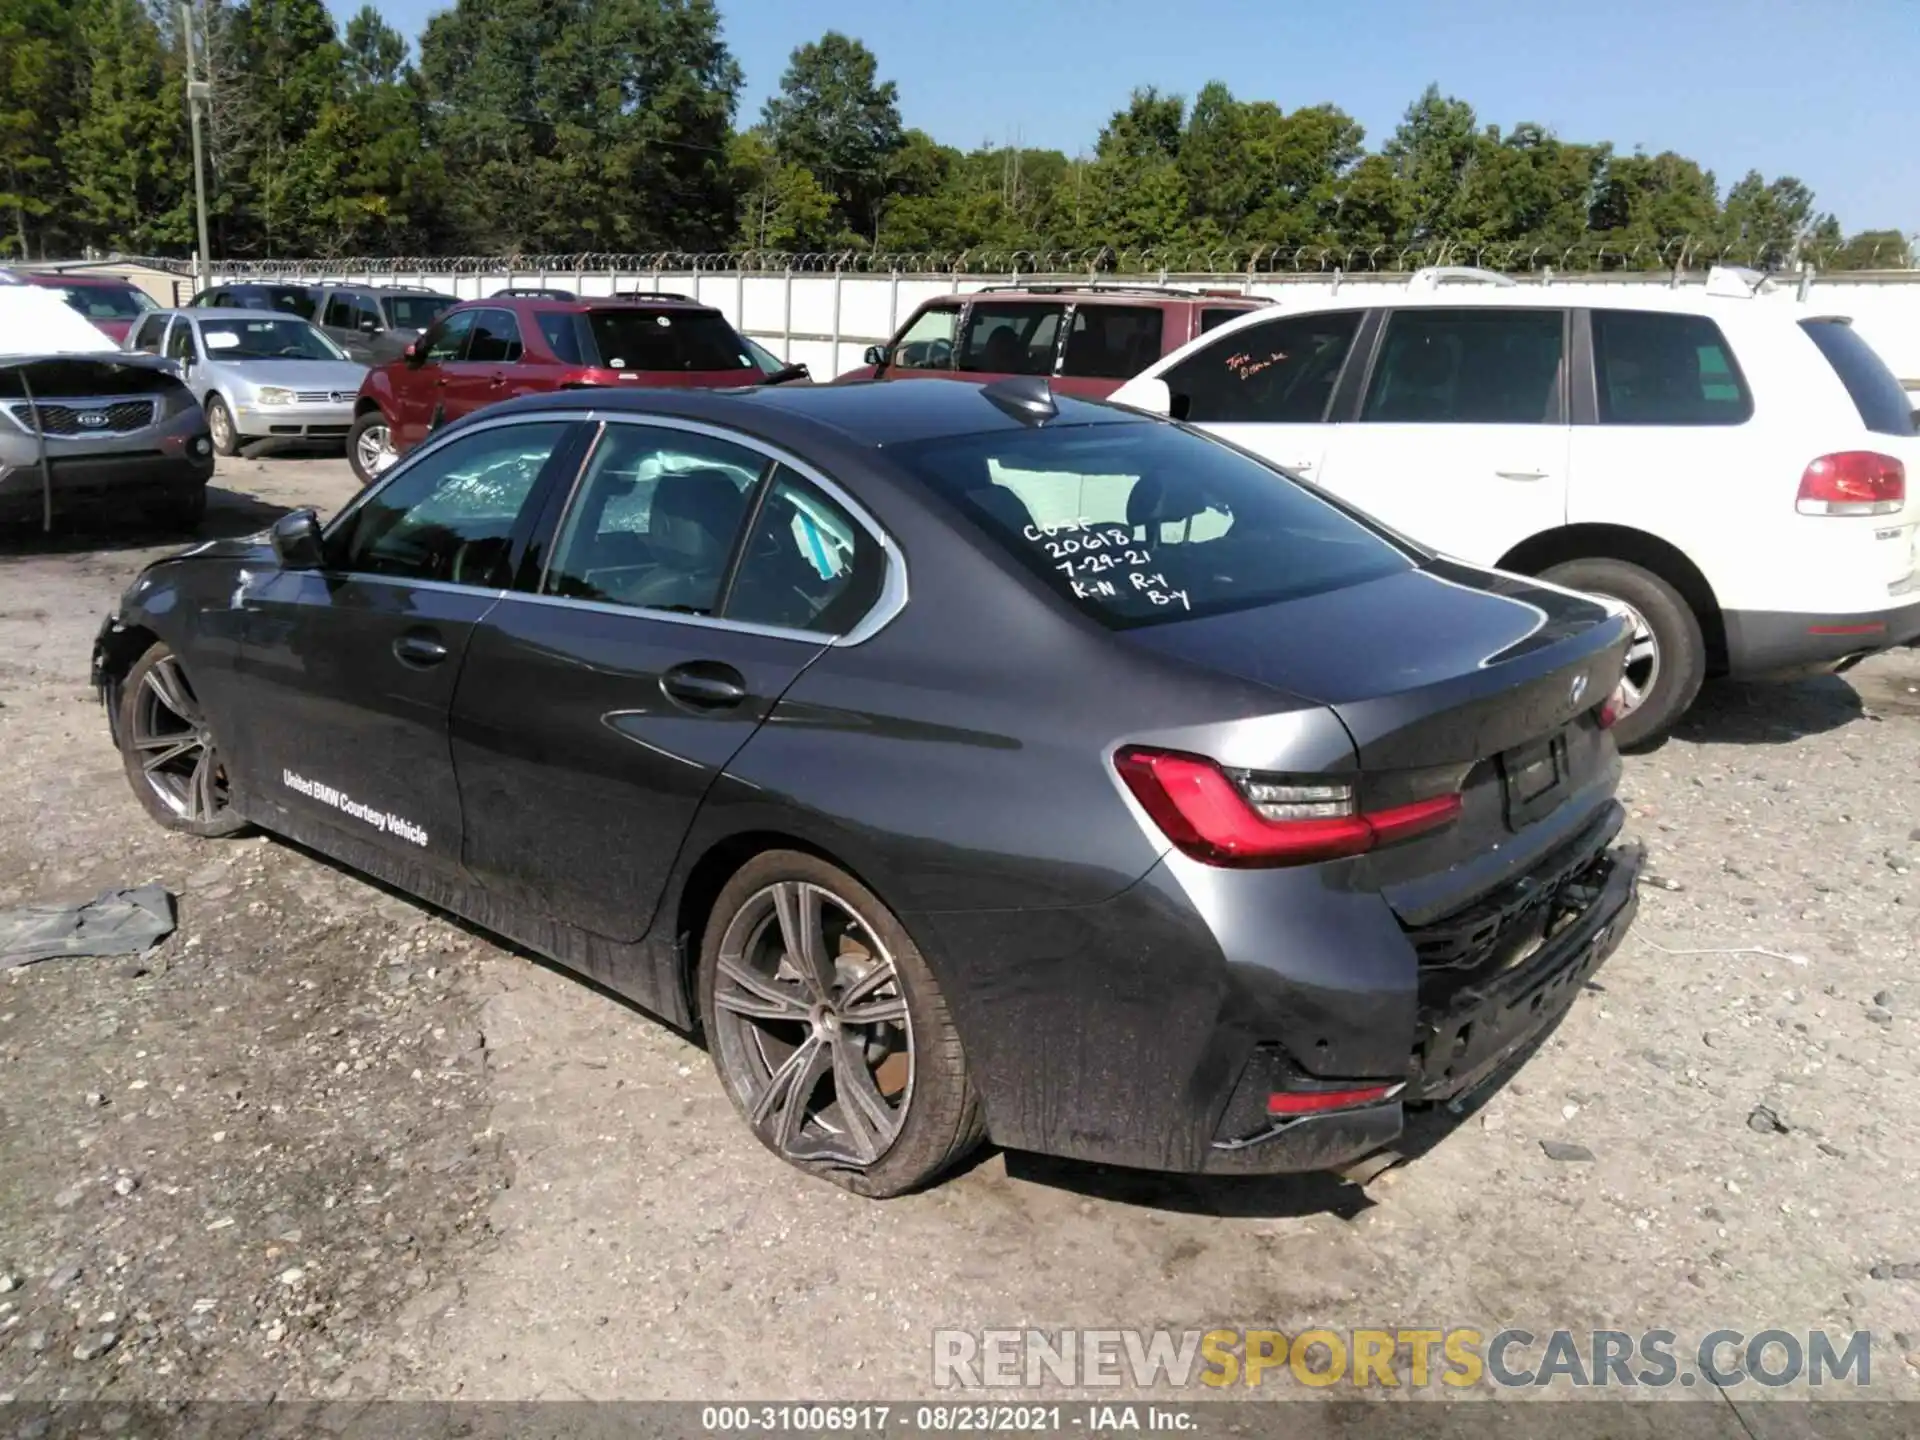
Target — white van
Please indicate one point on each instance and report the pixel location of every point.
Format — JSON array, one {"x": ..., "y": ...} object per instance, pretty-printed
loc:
[{"x": 1734, "y": 474}]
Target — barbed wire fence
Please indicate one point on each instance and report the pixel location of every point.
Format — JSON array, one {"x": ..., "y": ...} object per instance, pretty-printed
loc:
[{"x": 1681, "y": 256}]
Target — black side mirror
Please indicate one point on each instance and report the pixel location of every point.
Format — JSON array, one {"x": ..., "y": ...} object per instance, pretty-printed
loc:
[
  {"x": 876, "y": 356},
  {"x": 296, "y": 540},
  {"x": 371, "y": 327},
  {"x": 791, "y": 372}
]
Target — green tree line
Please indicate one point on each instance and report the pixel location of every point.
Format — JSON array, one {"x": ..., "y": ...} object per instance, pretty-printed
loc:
[{"x": 561, "y": 126}]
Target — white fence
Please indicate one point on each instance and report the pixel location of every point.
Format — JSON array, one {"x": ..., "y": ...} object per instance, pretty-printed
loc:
[{"x": 827, "y": 319}]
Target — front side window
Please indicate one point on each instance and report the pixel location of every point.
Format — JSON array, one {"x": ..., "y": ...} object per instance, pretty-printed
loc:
[
  {"x": 654, "y": 520},
  {"x": 1655, "y": 368},
  {"x": 496, "y": 338},
  {"x": 366, "y": 316},
  {"x": 180, "y": 340},
  {"x": 339, "y": 311},
  {"x": 1141, "y": 524},
  {"x": 449, "y": 516},
  {"x": 674, "y": 340},
  {"x": 1112, "y": 342},
  {"x": 927, "y": 342},
  {"x": 1011, "y": 338},
  {"x": 1468, "y": 367},
  {"x": 449, "y": 342},
  {"x": 806, "y": 563},
  {"x": 1279, "y": 373},
  {"x": 281, "y": 338}
]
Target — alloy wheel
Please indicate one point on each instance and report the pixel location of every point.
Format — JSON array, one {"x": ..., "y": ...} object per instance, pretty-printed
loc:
[
  {"x": 373, "y": 448},
  {"x": 221, "y": 424},
  {"x": 1642, "y": 670},
  {"x": 811, "y": 1026},
  {"x": 176, "y": 752}
]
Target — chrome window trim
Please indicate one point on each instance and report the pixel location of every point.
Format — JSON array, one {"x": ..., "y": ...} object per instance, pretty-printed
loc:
[
  {"x": 893, "y": 581},
  {"x": 894, "y": 589}
]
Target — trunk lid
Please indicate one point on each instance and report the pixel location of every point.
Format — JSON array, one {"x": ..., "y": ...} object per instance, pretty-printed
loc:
[{"x": 1437, "y": 665}]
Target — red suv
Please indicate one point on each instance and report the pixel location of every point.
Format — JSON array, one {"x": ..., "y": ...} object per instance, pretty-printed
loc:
[
  {"x": 488, "y": 350},
  {"x": 1087, "y": 339},
  {"x": 109, "y": 303}
]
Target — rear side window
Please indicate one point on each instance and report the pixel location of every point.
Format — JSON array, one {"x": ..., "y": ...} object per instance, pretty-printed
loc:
[
  {"x": 1468, "y": 367},
  {"x": 1885, "y": 408},
  {"x": 1662, "y": 369},
  {"x": 495, "y": 339},
  {"x": 806, "y": 564},
  {"x": 1015, "y": 338},
  {"x": 1214, "y": 316},
  {"x": 1279, "y": 373},
  {"x": 1143, "y": 524},
  {"x": 562, "y": 336},
  {"x": 1112, "y": 342},
  {"x": 666, "y": 340}
]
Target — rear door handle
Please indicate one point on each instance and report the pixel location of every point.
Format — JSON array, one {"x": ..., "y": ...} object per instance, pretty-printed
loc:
[
  {"x": 420, "y": 649},
  {"x": 1521, "y": 474},
  {"x": 705, "y": 685},
  {"x": 498, "y": 380}
]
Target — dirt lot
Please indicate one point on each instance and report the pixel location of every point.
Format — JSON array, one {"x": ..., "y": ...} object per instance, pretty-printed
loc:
[{"x": 323, "y": 1142}]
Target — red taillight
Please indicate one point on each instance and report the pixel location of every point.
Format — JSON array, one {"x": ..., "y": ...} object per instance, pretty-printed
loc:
[
  {"x": 1313, "y": 1102},
  {"x": 1853, "y": 482},
  {"x": 1210, "y": 815},
  {"x": 1613, "y": 707}
]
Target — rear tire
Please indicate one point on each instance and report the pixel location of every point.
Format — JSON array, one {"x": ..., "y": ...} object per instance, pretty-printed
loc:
[
  {"x": 227, "y": 438},
  {"x": 1668, "y": 660},
  {"x": 786, "y": 1036},
  {"x": 171, "y": 758}
]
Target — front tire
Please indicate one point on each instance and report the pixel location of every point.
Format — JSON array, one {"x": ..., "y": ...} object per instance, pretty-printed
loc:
[
  {"x": 226, "y": 436},
  {"x": 370, "y": 446},
  {"x": 171, "y": 757},
  {"x": 829, "y": 1030},
  {"x": 1667, "y": 660}
]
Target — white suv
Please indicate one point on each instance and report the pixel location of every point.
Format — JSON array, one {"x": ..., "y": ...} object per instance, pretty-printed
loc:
[{"x": 1733, "y": 471}]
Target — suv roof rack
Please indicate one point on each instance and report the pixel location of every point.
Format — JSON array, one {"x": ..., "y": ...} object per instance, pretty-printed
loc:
[
  {"x": 1114, "y": 287},
  {"x": 1432, "y": 277},
  {"x": 648, "y": 295}
]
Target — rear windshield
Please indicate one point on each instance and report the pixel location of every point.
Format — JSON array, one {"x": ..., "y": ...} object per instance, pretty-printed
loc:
[
  {"x": 1884, "y": 407},
  {"x": 107, "y": 302},
  {"x": 1142, "y": 524},
  {"x": 666, "y": 340},
  {"x": 416, "y": 312},
  {"x": 290, "y": 298}
]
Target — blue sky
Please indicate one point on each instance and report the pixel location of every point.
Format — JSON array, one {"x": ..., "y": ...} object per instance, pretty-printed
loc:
[{"x": 1822, "y": 89}]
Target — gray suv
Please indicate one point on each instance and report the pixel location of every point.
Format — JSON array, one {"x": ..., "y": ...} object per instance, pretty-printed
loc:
[{"x": 375, "y": 323}]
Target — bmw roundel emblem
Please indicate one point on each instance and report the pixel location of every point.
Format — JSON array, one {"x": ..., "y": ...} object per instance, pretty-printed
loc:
[{"x": 1577, "y": 689}]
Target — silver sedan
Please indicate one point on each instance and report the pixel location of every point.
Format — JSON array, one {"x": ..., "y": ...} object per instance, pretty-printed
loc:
[{"x": 260, "y": 374}]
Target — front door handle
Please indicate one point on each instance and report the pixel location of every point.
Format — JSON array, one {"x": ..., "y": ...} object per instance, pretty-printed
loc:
[
  {"x": 1521, "y": 474},
  {"x": 705, "y": 685},
  {"x": 498, "y": 380},
  {"x": 420, "y": 649}
]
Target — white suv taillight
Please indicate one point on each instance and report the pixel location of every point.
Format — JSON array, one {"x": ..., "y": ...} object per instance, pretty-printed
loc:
[{"x": 1853, "y": 482}]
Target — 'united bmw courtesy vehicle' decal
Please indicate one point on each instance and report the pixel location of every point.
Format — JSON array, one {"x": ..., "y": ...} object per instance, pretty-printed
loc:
[{"x": 381, "y": 820}]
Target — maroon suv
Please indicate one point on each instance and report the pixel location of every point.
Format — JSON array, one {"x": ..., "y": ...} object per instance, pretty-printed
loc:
[
  {"x": 110, "y": 303},
  {"x": 1088, "y": 339},
  {"x": 488, "y": 350}
]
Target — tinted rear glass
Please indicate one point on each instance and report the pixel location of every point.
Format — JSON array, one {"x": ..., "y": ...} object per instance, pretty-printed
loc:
[
  {"x": 1143, "y": 524},
  {"x": 666, "y": 340},
  {"x": 107, "y": 302},
  {"x": 563, "y": 335},
  {"x": 1885, "y": 408},
  {"x": 288, "y": 298},
  {"x": 1660, "y": 369}
]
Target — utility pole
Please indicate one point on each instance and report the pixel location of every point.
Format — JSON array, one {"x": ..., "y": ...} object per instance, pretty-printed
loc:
[{"x": 198, "y": 93}]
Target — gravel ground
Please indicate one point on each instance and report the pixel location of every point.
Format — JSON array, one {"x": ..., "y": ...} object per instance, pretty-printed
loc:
[{"x": 324, "y": 1142}]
